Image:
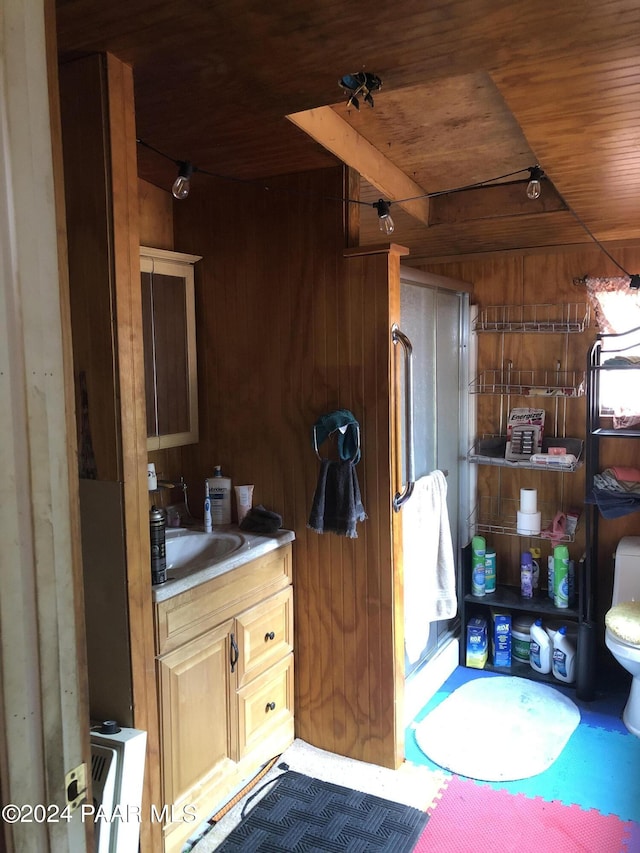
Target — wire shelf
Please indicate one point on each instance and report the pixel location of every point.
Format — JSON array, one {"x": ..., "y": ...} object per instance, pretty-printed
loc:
[
  {"x": 570, "y": 317},
  {"x": 490, "y": 450},
  {"x": 530, "y": 383},
  {"x": 500, "y": 515}
]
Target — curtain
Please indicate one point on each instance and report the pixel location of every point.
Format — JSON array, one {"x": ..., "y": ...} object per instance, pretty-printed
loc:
[{"x": 617, "y": 309}]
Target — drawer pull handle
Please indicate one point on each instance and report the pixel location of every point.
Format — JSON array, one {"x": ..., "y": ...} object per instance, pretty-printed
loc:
[
  {"x": 270, "y": 636},
  {"x": 271, "y": 706},
  {"x": 234, "y": 653}
]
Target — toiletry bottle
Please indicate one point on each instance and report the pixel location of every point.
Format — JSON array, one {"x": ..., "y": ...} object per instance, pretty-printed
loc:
[
  {"x": 219, "y": 489},
  {"x": 490, "y": 570},
  {"x": 208, "y": 522},
  {"x": 564, "y": 656},
  {"x": 478, "y": 551},
  {"x": 550, "y": 562},
  {"x": 539, "y": 648},
  {"x": 561, "y": 576},
  {"x": 157, "y": 527},
  {"x": 526, "y": 575}
]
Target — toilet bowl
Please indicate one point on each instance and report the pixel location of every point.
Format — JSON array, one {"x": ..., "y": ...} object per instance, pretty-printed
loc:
[
  {"x": 628, "y": 656},
  {"x": 622, "y": 621}
]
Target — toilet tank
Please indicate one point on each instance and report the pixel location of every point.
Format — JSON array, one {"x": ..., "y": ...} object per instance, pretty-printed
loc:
[{"x": 626, "y": 577}]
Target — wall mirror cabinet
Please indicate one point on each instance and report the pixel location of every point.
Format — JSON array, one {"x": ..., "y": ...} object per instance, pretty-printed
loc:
[{"x": 169, "y": 335}]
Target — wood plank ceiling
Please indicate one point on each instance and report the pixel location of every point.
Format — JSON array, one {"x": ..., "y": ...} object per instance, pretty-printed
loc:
[{"x": 472, "y": 90}]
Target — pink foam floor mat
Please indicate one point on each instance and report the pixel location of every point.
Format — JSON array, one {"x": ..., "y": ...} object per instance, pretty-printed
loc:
[{"x": 469, "y": 817}]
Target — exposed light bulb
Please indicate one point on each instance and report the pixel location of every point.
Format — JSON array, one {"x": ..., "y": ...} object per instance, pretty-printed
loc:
[
  {"x": 182, "y": 183},
  {"x": 385, "y": 222},
  {"x": 534, "y": 188}
]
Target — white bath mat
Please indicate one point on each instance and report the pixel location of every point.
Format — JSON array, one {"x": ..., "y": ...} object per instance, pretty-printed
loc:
[{"x": 498, "y": 729}]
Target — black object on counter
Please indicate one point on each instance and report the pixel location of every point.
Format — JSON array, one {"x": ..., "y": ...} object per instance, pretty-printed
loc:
[{"x": 157, "y": 527}]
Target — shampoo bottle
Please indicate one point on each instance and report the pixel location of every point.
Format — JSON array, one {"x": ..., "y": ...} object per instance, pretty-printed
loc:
[
  {"x": 539, "y": 648},
  {"x": 219, "y": 489},
  {"x": 564, "y": 656}
]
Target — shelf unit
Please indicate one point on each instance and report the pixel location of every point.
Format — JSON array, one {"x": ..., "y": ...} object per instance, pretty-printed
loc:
[
  {"x": 599, "y": 426},
  {"x": 497, "y": 514}
]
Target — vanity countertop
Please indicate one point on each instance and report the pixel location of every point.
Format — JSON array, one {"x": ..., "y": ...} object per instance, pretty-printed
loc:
[{"x": 255, "y": 545}]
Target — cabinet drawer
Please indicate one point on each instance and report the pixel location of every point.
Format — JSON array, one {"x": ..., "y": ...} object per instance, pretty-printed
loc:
[
  {"x": 265, "y": 634},
  {"x": 191, "y": 613},
  {"x": 265, "y": 705}
]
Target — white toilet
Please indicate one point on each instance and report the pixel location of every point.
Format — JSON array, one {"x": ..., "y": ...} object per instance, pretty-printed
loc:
[{"x": 622, "y": 621}]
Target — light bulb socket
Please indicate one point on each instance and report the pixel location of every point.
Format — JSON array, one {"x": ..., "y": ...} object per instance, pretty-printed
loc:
[
  {"x": 535, "y": 173},
  {"x": 382, "y": 207},
  {"x": 185, "y": 168}
]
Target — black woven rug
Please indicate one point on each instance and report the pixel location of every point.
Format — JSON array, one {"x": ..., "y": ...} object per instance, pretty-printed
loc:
[{"x": 305, "y": 815}]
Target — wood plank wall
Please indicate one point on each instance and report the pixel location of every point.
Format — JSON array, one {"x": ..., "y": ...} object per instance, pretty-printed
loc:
[
  {"x": 98, "y": 131},
  {"x": 533, "y": 279},
  {"x": 284, "y": 336}
]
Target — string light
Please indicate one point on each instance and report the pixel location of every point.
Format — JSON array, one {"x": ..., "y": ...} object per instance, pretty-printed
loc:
[
  {"x": 386, "y": 223},
  {"x": 534, "y": 187},
  {"x": 182, "y": 183}
]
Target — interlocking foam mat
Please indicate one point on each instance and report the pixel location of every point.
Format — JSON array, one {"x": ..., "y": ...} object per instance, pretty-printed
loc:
[
  {"x": 474, "y": 817},
  {"x": 588, "y": 800}
]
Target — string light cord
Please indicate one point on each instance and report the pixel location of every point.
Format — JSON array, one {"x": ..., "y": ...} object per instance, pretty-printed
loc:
[
  {"x": 634, "y": 279},
  {"x": 251, "y": 181}
]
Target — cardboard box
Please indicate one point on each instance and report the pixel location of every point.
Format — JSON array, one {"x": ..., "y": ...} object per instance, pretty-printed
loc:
[
  {"x": 525, "y": 430},
  {"x": 501, "y": 638},
  {"x": 477, "y": 643}
]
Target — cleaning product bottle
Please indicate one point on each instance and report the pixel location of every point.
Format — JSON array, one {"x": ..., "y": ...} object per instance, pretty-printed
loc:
[
  {"x": 490, "y": 570},
  {"x": 478, "y": 549},
  {"x": 564, "y": 656},
  {"x": 219, "y": 489},
  {"x": 561, "y": 576},
  {"x": 526, "y": 575},
  {"x": 208, "y": 521},
  {"x": 539, "y": 648}
]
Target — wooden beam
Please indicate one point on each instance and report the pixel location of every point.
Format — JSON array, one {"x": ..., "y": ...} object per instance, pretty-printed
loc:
[
  {"x": 492, "y": 202},
  {"x": 325, "y": 126}
]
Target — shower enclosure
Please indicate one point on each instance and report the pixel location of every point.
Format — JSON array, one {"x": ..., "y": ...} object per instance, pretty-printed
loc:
[{"x": 435, "y": 318}]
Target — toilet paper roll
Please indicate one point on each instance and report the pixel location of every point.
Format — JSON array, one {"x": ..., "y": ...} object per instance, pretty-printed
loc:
[
  {"x": 528, "y": 523},
  {"x": 528, "y": 500}
]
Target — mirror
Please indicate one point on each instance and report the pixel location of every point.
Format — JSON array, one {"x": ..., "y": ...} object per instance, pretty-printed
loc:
[{"x": 169, "y": 337}]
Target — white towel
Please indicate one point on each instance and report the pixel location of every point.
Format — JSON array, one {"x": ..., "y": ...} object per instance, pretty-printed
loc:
[{"x": 429, "y": 565}]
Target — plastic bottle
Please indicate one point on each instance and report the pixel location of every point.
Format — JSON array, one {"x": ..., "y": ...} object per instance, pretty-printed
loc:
[
  {"x": 561, "y": 576},
  {"x": 526, "y": 575},
  {"x": 490, "y": 570},
  {"x": 219, "y": 490},
  {"x": 208, "y": 521},
  {"x": 564, "y": 656},
  {"x": 550, "y": 589},
  {"x": 478, "y": 549},
  {"x": 539, "y": 648}
]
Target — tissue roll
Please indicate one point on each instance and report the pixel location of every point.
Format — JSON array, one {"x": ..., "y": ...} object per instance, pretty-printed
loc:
[
  {"x": 528, "y": 523},
  {"x": 528, "y": 500}
]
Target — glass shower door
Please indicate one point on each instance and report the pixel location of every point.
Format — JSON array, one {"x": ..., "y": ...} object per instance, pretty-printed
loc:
[{"x": 436, "y": 321}]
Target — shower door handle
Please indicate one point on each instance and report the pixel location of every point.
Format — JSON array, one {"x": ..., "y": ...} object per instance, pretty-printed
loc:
[{"x": 399, "y": 337}]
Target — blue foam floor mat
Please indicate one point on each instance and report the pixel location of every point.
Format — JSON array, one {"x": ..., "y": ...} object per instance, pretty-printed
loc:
[{"x": 600, "y": 744}]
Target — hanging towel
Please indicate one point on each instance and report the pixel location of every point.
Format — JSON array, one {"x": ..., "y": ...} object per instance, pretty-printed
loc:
[
  {"x": 343, "y": 422},
  {"x": 337, "y": 505},
  {"x": 429, "y": 565}
]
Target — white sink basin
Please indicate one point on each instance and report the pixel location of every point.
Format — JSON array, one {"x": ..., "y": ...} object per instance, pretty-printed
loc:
[{"x": 189, "y": 550}]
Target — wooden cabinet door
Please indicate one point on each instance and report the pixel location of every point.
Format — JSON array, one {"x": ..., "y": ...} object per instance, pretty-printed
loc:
[{"x": 196, "y": 713}]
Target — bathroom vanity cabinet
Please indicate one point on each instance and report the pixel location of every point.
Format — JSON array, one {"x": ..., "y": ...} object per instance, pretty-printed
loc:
[
  {"x": 225, "y": 682},
  {"x": 529, "y": 336}
]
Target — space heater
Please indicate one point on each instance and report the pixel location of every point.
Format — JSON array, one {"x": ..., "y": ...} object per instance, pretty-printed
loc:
[{"x": 117, "y": 773}]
